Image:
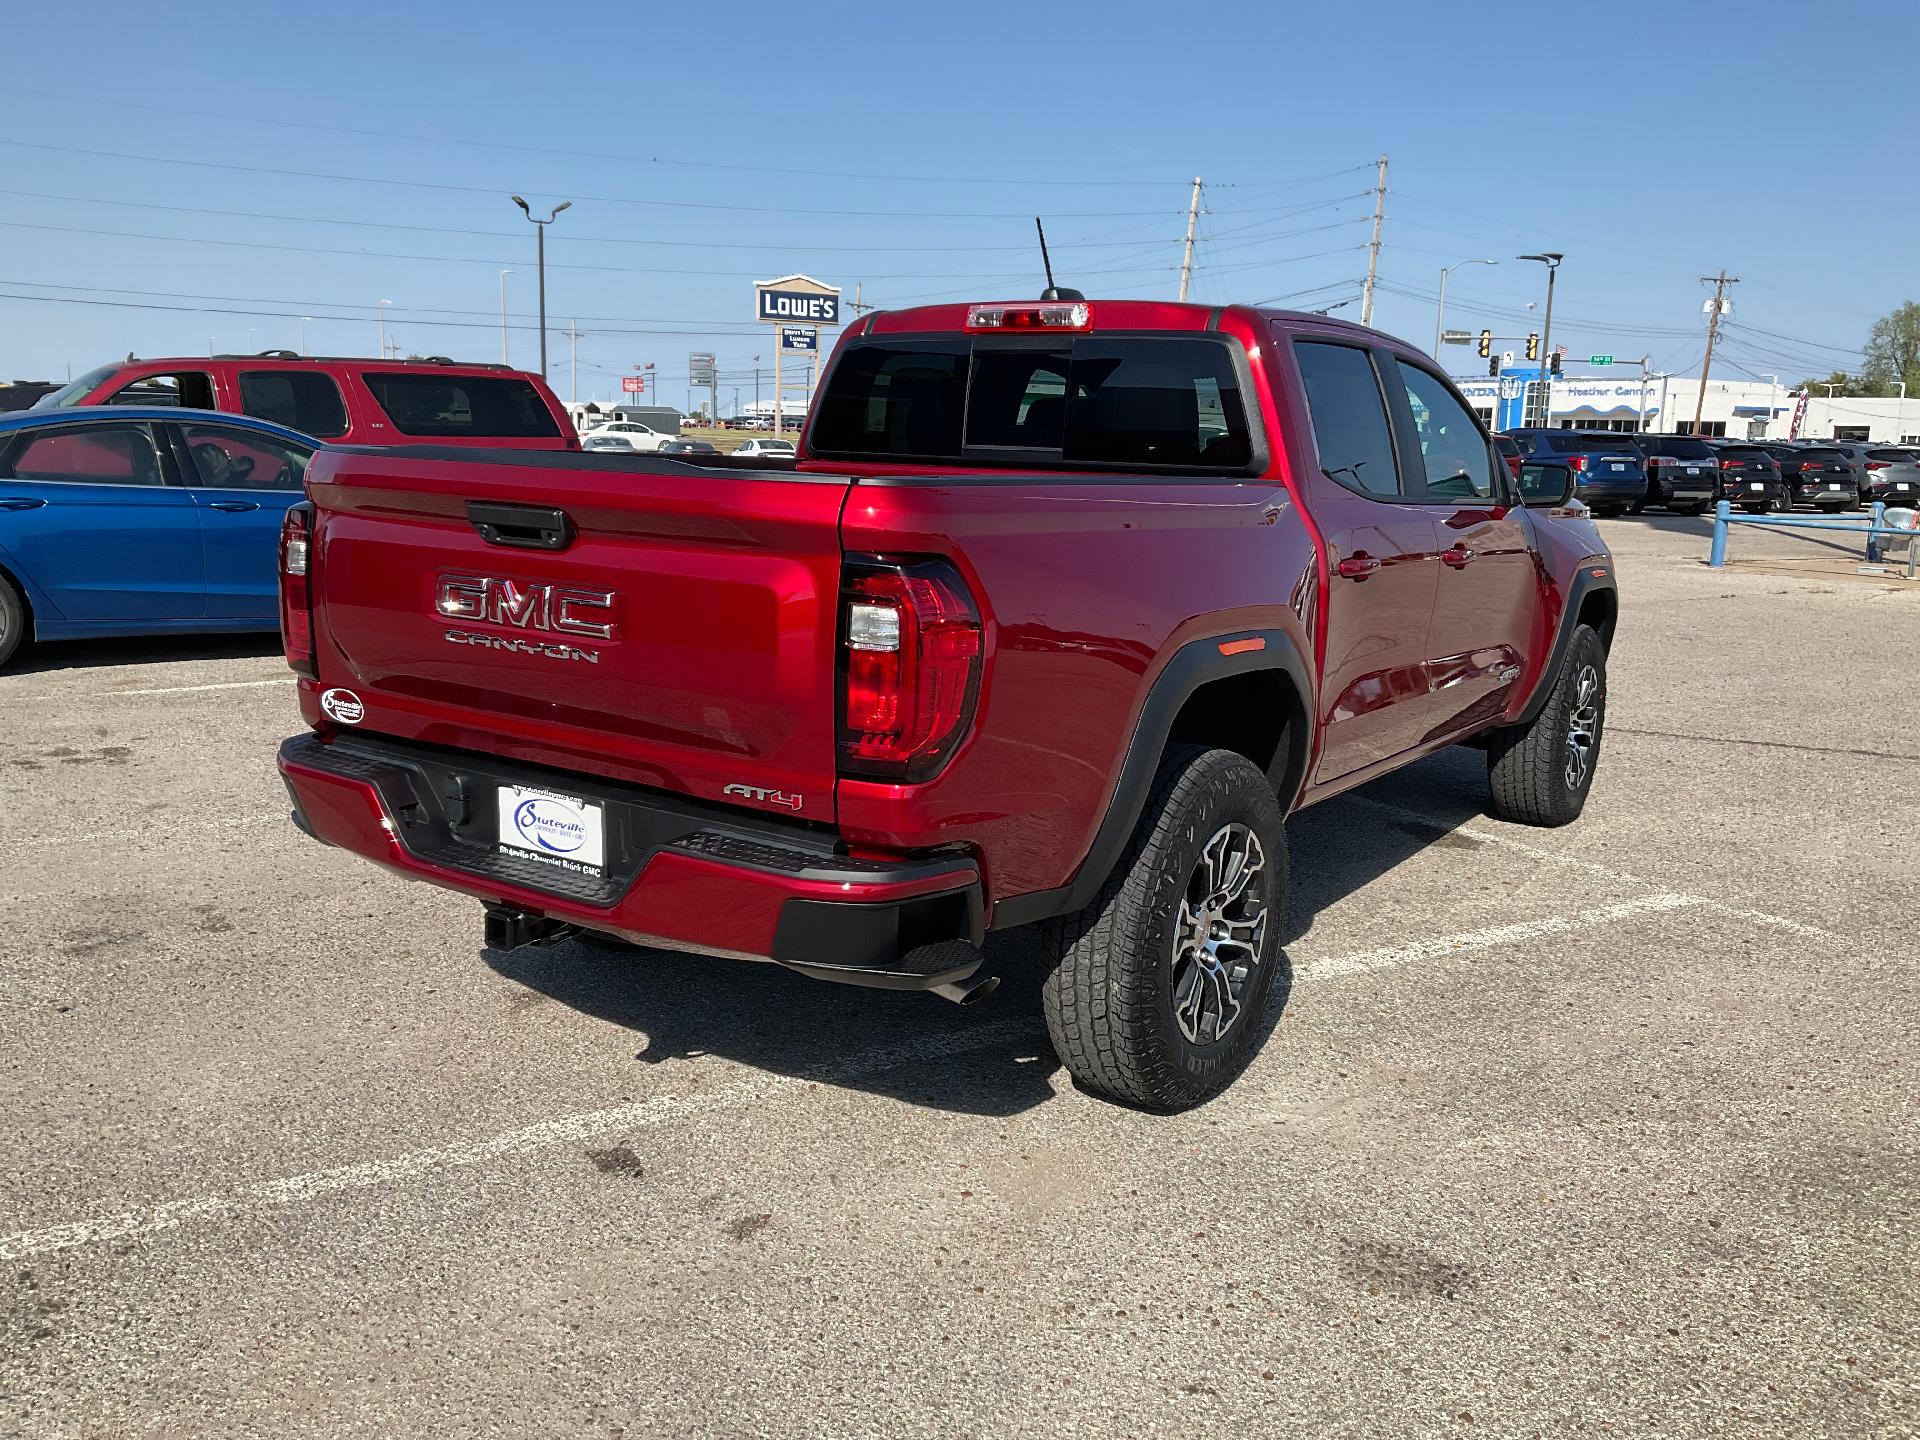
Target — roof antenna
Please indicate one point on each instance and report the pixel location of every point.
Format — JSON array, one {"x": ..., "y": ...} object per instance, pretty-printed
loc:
[{"x": 1052, "y": 292}]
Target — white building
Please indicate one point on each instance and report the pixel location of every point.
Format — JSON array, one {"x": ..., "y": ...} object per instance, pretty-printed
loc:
[{"x": 1741, "y": 409}]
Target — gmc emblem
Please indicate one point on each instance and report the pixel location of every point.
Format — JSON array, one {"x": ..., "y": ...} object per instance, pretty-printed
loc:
[{"x": 530, "y": 606}]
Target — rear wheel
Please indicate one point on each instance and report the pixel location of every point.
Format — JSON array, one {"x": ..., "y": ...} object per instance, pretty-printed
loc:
[
  {"x": 1157, "y": 991},
  {"x": 1541, "y": 772},
  {"x": 13, "y": 621}
]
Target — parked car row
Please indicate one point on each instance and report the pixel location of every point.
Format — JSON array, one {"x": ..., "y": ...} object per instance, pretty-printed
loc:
[
  {"x": 1617, "y": 473},
  {"x": 146, "y": 497}
]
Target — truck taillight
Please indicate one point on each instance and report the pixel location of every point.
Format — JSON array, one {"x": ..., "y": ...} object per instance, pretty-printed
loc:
[
  {"x": 1048, "y": 315},
  {"x": 910, "y": 648},
  {"x": 296, "y": 594}
]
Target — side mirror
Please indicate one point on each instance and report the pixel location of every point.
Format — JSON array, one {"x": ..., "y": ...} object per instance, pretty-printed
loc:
[{"x": 1544, "y": 486}]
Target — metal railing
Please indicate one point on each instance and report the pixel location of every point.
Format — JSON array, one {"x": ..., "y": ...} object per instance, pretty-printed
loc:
[{"x": 1873, "y": 529}]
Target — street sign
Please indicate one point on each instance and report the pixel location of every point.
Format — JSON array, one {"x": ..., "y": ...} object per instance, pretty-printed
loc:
[
  {"x": 799, "y": 337},
  {"x": 634, "y": 384},
  {"x": 700, "y": 369},
  {"x": 796, "y": 298},
  {"x": 1455, "y": 337},
  {"x": 1599, "y": 359}
]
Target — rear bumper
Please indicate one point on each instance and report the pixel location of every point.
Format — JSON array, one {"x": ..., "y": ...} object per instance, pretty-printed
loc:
[{"x": 678, "y": 874}]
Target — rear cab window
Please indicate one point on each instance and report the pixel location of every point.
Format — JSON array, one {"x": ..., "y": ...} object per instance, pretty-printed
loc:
[
  {"x": 1161, "y": 402},
  {"x": 305, "y": 400},
  {"x": 1578, "y": 442},
  {"x": 462, "y": 407}
]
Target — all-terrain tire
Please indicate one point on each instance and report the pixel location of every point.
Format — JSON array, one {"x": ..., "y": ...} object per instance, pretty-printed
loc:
[
  {"x": 1532, "y": 767},
  {"x": 13, "y": 621},
  {"x": 1110, "y": 991}
]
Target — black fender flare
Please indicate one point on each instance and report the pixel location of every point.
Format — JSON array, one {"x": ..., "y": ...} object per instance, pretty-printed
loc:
[
  {"x": 1592, "y": 576},
  {"x": 1196, "y": 663}
]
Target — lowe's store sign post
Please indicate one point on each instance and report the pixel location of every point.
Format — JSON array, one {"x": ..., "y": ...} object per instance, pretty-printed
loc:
[{"x": 793, "y": 302}]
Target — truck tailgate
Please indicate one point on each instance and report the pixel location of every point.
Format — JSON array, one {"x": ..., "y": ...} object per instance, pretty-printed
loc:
[{"x": 680, "y": 631}]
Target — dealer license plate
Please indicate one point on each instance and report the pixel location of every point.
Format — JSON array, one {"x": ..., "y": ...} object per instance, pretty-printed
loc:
[{"x": 562, "y": 830}]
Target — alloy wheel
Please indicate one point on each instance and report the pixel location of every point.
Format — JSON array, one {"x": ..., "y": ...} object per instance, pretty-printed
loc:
[
  {"x": 1219, "y": 934},
  {"x": 1583, "y": 727}
]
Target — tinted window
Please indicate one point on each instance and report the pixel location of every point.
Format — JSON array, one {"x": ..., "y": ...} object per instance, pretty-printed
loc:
[
  {"x": 1744, "y": 452},
  {"x": 229, "y": 459},
  {"x": 903, "y": 400},
  {"x": 1678, "y": 447},
  {"x": 463, "y": 406},
  {"x": 190, "y": 388},
  {"x": 1458, "y": 464},
  {"x": 302, "y": 400},
  {"x": 1172, "y": 402},
  {"x": 1169, "y": 403},
  {"x": 1577, "y": 442},
  {"x": 1825, "y": 457},
  {"x": 1349, "y": 418},
  {"x": 90, "y": 455},
  {"x": 1018, "y": 398}
]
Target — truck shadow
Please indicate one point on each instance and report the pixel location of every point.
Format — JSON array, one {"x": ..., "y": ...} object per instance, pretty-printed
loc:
[
  {"x": 1344, "y": 844},
  {"x": 991, "y": 1058}
]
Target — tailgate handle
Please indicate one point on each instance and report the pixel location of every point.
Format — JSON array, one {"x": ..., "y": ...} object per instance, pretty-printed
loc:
[{"x": 523, "y": 527}]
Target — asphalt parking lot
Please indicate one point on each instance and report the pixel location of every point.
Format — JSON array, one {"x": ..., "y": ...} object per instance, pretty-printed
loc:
[{"x": 1608, "y": 1130}]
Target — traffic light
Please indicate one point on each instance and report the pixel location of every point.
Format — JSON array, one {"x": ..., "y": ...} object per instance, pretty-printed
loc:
[
  {"x": 1486, "y": 343},
  {"x": 1493, "y": 366},
  {"x": 1533, "y": 347},
  {"x": 1554, "y": 363}
]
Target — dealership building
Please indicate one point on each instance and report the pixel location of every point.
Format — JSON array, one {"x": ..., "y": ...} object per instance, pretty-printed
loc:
[{"x": 1737, "y": 409}]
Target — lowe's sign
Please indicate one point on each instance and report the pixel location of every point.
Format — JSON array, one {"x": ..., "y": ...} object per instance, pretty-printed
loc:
[{"x": 796, "y": 299}]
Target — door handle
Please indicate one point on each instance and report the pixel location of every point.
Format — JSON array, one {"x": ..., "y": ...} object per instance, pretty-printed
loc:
[
  {"x": 1459, "y": 557},
  {"x": 1357, "y": 567},
  {"x": 234, "y": 507},
  {"x": 21, "y": 503}
]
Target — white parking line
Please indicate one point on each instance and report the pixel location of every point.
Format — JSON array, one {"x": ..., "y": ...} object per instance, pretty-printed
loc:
[
  {"x": 567, "y": 1129},
  {"x": 1575, "y": 862},
  {"x": 1441, "y": 947},
  {"x": 196, "y": 689}
]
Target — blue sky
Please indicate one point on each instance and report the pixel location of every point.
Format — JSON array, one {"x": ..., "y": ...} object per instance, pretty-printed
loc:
[{"x": 349, "y": 153}]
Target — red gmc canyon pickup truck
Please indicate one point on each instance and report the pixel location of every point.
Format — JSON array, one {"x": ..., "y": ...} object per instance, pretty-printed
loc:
[{"x": 1067, "y": 605}]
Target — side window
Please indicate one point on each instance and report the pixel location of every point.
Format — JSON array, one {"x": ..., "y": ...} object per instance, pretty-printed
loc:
[
  {"x": 1349, "y": 418},
  {"x": 192, "y": 389},
  {"x": 302, "y": 400},
  {"x": 1458, "y": 465},
  {"x": 90, "y": 455},
  {"x": 227, "y": 459}
]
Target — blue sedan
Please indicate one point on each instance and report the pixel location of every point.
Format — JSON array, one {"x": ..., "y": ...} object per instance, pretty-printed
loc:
[{"x": 131, "y": 520}]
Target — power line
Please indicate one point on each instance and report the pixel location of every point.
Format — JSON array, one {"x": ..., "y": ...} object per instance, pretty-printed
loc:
[
  {"x": 574, "y": 236},
  {"x": 497, "y": 191},
  {"x": 468, "y": 259}
]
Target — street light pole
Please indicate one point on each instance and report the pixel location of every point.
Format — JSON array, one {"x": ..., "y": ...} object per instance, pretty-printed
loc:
[
  {"x": 1440, "y": 315},
  {"x": 383, "y": 328},
  {"x": 1773, "y": 384},
  {"x": 504, "y": 360},
  {"x": 1551, "y": 259},
  {"x": 541, "y": 227}
]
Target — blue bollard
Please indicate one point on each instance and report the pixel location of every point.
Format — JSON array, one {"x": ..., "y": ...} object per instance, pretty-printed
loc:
[
  {"x": 1878, "y": 515},
  {"x": 1718, "y": 556}
]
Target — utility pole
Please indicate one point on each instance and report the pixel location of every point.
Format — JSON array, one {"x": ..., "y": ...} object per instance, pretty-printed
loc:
[
  {"x": 503, "y": 317},
  {"x": 573, "y": 359},
  {"x": 1186, "y": 260},
  {"x": 1719, "y": 283},
  {"x": 1641, "y": 427},
  {"x": 858, "y": 308},
  {"x": 1373, "y": 246}
]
